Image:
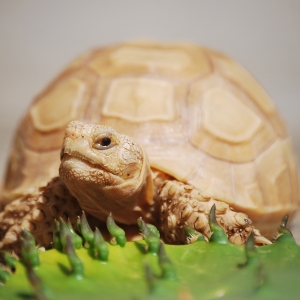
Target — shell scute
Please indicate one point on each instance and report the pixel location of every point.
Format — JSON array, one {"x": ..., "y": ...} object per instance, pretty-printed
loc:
[
  {"x": 225, "y": 122},
  {"x": 185, "y": 62},
  {"x": 140, "y": 92},
  {"x": 45, "y": 114},
  {"x": 241, "y": 77}
]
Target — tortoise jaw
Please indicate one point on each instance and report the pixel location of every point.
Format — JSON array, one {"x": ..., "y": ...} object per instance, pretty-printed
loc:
[{"x": 77, "y": 163}]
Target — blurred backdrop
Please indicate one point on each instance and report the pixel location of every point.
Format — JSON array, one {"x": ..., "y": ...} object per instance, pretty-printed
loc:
[{"x": 38, "y": 38}]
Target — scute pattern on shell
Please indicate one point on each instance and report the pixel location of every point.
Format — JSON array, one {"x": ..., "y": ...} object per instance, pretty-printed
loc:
[{"x": 200, "y": 116}]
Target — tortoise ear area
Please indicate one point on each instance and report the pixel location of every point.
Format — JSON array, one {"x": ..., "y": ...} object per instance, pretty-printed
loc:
[{"x": 133, "y": 170}]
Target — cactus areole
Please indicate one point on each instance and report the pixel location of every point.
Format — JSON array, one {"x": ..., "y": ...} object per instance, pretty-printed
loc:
[{"x": 165, "y": 134}]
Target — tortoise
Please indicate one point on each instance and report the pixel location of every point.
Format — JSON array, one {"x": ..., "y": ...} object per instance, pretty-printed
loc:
[{"x": 158, "y": 131}]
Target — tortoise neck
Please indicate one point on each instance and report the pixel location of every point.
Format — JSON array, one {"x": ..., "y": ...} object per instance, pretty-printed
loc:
[{"x": 159, "y": 178}]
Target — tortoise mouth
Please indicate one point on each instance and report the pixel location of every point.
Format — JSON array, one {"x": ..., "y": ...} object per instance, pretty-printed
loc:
[
  {"x": 77, "y": 172},
  {"x": 86, "y": 168},
  {"x": 78, "y": 161}
]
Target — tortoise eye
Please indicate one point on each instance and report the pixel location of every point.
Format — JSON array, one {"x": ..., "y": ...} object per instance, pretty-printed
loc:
[{"x": 104, "y": 141}]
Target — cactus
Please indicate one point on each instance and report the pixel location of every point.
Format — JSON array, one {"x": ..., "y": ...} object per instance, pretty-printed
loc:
[{"x": 149, "y": 269}]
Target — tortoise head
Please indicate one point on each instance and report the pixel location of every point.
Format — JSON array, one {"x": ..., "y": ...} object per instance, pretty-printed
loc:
[{"x": 105, "y": 171}]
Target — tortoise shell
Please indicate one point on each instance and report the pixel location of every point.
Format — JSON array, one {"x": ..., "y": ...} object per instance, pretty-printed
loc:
[{"x": 200, "y": 116}]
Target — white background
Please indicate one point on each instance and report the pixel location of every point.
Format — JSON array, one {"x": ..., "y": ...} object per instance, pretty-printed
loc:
[{"x": 38, "y": 38}]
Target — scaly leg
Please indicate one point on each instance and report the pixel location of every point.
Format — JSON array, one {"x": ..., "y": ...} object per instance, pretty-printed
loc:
[
  {"x": 182, "y": 204},
  {"x": 36, "y": 212}
]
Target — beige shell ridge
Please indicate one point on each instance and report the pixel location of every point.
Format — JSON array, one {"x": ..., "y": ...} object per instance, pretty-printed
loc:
[{"x": 200, "y": 116}]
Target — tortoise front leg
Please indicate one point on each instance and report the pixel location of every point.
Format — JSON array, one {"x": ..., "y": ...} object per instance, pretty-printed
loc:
[
  {"x": 182, "y": 204},
  {"x": 36, "y": 212}
]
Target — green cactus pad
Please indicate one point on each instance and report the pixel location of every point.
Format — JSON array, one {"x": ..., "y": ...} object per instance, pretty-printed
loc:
[{"x": 196, "y": 271}]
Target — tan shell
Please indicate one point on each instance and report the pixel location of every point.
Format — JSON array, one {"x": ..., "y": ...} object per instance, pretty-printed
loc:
[{"x": 200, "y": 116}]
